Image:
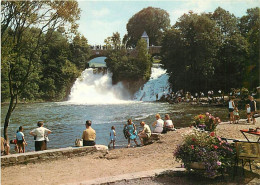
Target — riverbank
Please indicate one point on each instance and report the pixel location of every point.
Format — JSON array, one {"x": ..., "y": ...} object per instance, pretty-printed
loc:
[{"x": 117, "y": 162}]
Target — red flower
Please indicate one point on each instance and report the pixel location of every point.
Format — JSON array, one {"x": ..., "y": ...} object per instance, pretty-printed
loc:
[
  {"x": 216, "y": 147},
  {"x": 192, "y": 146},
  {"x": 212, "y": 134}
]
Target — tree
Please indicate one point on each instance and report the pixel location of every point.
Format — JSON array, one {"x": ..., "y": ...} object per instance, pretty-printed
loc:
[
  {"x": 189, "y": 52},
  {"x": 124, "y": 66},
  {"x": 21, "y": 52},
  {"x": 80, "y": 51},
  {"x": 233, "y": 51},
  {"x": 249, "y": 26},
  {"x": 114, "y": 41},
  {"x": 152, "y": 20}
]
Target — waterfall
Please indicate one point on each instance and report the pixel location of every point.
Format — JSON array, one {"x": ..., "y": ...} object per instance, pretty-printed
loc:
[
  {"x": 97, "y": 88},
  {"x": 157, "y": 85}
]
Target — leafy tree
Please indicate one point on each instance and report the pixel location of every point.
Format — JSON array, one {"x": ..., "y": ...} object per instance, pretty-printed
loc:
[
  {"x": 57, "y": 71},
  {"x": 152, "y": 20},
  {"x": 22, "y": 50},
  {"x": 125, "y": 66},
  {"x": 80, "y": 51},
  {"x": 114, "y": 41},
  {"x": 249, "y": 26},
  {"x": 232, "y": 53},
  {"x": 189, "y": 50}
]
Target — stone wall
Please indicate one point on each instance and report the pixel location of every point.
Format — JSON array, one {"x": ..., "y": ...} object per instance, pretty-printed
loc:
[{"x": 53, "y": 154}]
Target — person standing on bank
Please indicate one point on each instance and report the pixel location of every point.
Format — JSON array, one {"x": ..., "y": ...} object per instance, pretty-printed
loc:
[
  {"x": 231, "y": 107},
  {"x": 252, "y": 108},
  {"x": 89, "y": 135},
  {"x": 40, "y": 136},
  {"x": 20, "y": 140}
]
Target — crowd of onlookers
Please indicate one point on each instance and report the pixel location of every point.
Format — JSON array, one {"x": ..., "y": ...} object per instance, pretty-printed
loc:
[
  {"x": 181, "y": 96},
  {"x": 41, "y": 133}
]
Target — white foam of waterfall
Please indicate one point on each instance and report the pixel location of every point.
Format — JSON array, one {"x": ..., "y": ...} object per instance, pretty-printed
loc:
[
  {"x": 97, "y": 88},
  {"x": 158, "y": 85}
]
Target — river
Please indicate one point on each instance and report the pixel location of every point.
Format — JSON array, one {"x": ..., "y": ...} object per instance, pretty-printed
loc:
[
  {"x": 93, "y": 97},
  {"x": 67, "y": 121}
]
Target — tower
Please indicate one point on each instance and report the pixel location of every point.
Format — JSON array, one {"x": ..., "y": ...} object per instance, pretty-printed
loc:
[{"x": 146, "y": 38}]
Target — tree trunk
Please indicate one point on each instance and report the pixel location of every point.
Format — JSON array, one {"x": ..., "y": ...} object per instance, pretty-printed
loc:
[{"x": 8, "y": 115}]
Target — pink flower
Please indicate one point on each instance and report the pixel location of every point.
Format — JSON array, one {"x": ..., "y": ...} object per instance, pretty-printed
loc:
[
  {"x": 207, "y": 114},
  {"x": 216, "y": 147},
  {"x": 192, "y": 147},
  {"x": 218, "y": 163}
]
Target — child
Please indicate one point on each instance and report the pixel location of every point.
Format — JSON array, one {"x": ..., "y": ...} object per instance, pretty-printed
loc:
[
  {"x": 20, "y": 140},
  {"x": 112, "y": 137},
  {"x": 248, "y": 112},
  {"x": 236, "y": 114}
]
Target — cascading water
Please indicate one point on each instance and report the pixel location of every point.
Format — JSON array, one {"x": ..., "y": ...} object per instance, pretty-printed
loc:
[
  {"x": 156, "y": 87},
  {"x": 96, "y": 88}
]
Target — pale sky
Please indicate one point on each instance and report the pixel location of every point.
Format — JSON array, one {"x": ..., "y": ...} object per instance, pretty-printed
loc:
[{"x": 100, "y": 19}]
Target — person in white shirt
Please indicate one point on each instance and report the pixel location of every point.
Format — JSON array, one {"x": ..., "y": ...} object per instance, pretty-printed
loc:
[
  {"x": 40, "y": 136},
  {"x": 231, "y": 107},
  {"x": 158, "y": 124},
  {"x": 168, "y": 123}
]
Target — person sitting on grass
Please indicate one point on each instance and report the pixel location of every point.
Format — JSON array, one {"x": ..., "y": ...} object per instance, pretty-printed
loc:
[{"x": 145, "y": 133}]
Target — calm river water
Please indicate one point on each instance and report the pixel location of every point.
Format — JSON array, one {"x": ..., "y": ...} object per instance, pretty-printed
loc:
[{"x": 67, "y": 120}]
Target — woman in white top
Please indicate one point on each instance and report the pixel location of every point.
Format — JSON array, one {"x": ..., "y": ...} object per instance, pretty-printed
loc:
[
  {"x": 231, "y": 107},
  {"x": 158, "y": 124},
  {"x": 168, "y": 123},
  {"x": 40, "y": 136}
]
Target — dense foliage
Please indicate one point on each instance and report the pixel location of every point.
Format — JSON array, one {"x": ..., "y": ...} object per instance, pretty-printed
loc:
[
  {"x": 213, "y": 51},
  {"x": 125, "y": 65},
  {"x": 152, "y": 20}
]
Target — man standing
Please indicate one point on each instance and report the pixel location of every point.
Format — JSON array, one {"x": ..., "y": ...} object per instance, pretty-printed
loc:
[
  {"x": 89, "y": 135},
  {"x": 145, "y": 133}
]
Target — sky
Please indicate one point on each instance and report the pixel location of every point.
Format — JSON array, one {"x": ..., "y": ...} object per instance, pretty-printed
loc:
[{"x": 101, "y": 18}]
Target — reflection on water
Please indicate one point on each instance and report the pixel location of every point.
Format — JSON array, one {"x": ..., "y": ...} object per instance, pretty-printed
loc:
[{"x": 67, "y": 121}]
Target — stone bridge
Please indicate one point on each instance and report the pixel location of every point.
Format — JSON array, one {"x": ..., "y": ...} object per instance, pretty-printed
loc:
[{"x": 99, "y": 51}]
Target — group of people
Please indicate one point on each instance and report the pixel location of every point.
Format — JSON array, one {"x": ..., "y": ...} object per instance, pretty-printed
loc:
[
  {"x": 40, "y": 138},
  {"x": 234, "y": 113},
  {"x": 130, "y": 130},
  {"x": 89, "y": 134}
]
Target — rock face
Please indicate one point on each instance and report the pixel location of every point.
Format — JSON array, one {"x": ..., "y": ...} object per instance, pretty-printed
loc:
[
  {"x": 133, "y": 86},
  {"x": 47, "y": 155}
]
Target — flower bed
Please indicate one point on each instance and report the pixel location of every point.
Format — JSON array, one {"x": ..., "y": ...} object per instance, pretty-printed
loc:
[
  {"x": 206, "y": 122},
  {"x": 214, "y": 153}
]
